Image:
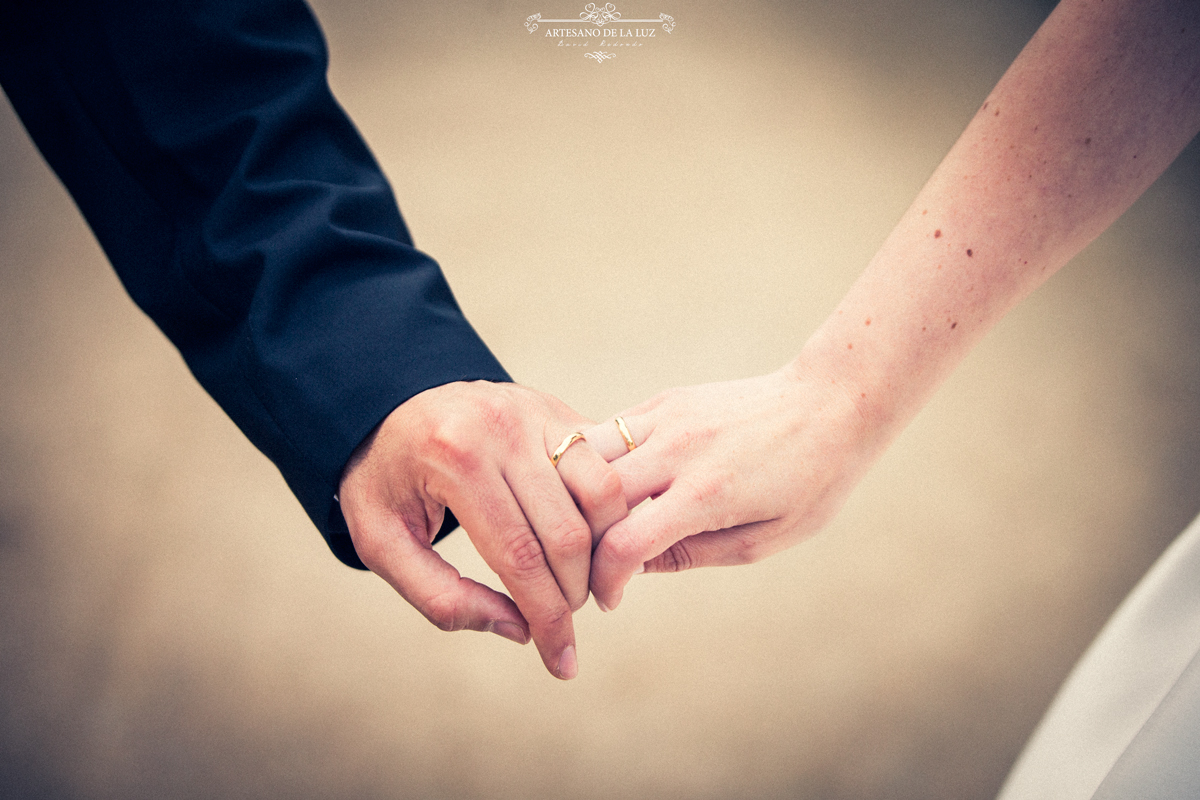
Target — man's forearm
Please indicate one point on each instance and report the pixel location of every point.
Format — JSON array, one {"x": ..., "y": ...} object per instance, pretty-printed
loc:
[{"x": 245, "y": 216}]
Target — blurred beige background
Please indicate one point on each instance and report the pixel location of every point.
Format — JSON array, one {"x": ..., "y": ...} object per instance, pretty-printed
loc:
[{"x": 171, "y": 625}]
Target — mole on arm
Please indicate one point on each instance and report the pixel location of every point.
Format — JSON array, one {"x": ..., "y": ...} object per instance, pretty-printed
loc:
[{"x": 937, "y": 234}]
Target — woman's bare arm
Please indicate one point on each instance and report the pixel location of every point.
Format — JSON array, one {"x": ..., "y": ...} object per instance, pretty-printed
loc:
[{"x": 1096, "y": 106}]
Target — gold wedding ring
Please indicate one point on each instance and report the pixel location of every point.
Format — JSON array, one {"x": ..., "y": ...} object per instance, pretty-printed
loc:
[
  {"x": 630, "y": 444},
  {"x": 566, "y": 443}
]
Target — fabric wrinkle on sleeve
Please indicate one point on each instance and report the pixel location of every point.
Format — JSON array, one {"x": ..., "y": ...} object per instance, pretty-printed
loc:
[{"x": 245, "y": 216}]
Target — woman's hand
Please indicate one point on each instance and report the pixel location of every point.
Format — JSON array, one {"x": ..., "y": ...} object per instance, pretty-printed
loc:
[
  {"x": 1097, "y": 105},
  {"x": 738, "y": 470}
]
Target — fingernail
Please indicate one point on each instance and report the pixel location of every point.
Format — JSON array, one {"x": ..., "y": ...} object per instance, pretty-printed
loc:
[
  {"x": 641, "y": 568},
  {"x": 514, "y": 633},
  {"x": 601, "y": 606},
  {"x": 568, "y": 665}
]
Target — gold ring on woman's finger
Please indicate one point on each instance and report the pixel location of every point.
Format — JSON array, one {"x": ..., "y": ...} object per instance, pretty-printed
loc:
[
  {"x": 566, "y": 443},
  {"x": 630, "y": 444}
]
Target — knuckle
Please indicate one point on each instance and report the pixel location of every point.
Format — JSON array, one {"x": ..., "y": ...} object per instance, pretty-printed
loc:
[
  {"x": 460, "y": 441},
  {"x": 622, "y": 549},
  {"x": 570, "y": 535},
  {"x": 712, "y": 495},
  {"x": 668, "y": 395},
  {"x": 498, "y": 413},
  {"x": 690, "y": 440},
  {"x": 451, "y": 443},
  {"x": 555, "y": 617},
  {"x": 748, "y": 550},
  {"x": 445, "y": 611},
  {"x": 605, "y": 493},
  {"x": 523, "y": 556},
  {"x": 706, "y": 492},
  {"x": 492, "y": 409},
  {"x": 579, "y": 601},
  {"x": 676, "y": 558}
]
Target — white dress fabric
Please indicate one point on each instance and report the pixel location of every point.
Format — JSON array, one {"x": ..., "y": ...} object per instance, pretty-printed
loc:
[{"x": 1126, "y": 724}]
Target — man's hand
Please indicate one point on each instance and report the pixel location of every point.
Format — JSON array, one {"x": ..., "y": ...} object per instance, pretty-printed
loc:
[{"x": 483, "y": 450}]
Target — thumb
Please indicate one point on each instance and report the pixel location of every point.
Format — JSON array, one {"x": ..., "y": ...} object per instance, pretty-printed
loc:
[
  {"x": 640, "y": 537},
  {"x": 743, "y": 544},
  {"x": 404, "y": 558}
]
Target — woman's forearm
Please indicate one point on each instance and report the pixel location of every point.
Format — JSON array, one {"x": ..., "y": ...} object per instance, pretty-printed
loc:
[{"x": 1095, "y": 107}]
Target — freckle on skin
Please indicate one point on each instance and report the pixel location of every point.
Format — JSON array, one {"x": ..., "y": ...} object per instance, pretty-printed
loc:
[
  {"x": 1087, "y": 141},
  {"x": 955, "y": 325},
  {"x": 969, "y": 254},
  {"x": 849, "y": 347},
  {"x": 997, "y": 113},
  {"x": 864, "y": 394},
  {"x": 868, "y": 322},
  {"x": 937, "y": 234}
]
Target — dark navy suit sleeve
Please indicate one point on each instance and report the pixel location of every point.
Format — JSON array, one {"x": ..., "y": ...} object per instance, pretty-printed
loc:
[{"x": 244, "y": 215}]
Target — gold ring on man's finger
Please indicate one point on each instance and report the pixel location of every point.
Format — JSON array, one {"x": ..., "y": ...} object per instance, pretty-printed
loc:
[
  {"x": 630, "y": 444},
  {"x": 566, "y": 443}
]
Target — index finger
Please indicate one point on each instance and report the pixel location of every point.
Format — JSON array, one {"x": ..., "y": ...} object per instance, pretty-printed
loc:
[
  {"x": 432, "y": 586},
  {"x": 502, "y": 535}
]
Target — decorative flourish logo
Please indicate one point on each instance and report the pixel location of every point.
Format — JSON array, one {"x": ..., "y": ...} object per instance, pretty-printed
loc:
[
  {"x": 603, "y": 26},
  {"x": 600, "y": 16}
]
